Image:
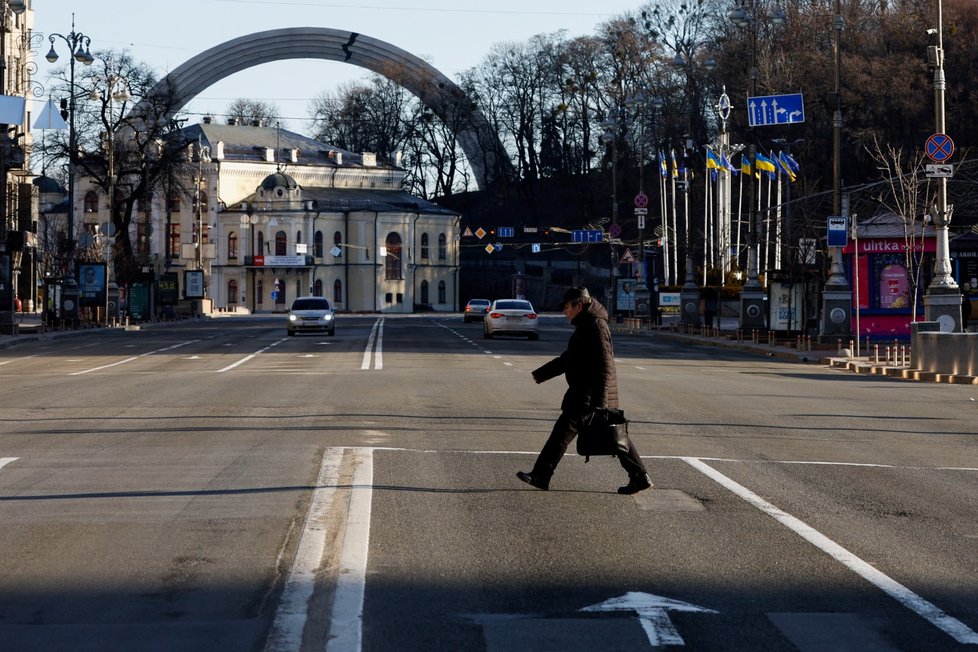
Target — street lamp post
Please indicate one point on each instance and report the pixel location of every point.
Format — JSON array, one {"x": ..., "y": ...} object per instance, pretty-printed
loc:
[
  {"x": 612, "y": 128},
  {"x": 752, "y": 293},
  {"x": 942, "y": 301},
  {"x": 837, "y": 296},
  {"x": 689, "y": 295},
  {"x": 78, "y": 47},
  {"x": 117, "y": 92}
]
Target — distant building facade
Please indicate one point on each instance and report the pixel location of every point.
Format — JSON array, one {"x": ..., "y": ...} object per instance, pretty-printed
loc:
[{"x": 276, "y": 215}]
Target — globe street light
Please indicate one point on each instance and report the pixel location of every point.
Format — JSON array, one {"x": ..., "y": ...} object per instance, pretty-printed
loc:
[{"x": 78, "y": 46}]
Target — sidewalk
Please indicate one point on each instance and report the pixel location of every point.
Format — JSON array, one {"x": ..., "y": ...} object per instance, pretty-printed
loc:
[{"x": 804, "y": 351}]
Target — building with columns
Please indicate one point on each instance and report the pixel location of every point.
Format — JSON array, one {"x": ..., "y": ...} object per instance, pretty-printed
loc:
[{"x": 282, "y": 215}]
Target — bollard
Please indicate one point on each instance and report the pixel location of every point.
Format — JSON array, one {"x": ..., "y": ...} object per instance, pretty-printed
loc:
[
  {"x": 852, "y": 349},
  {"x": 876, "y": 354},
  {"x": 838, "y": 346}
]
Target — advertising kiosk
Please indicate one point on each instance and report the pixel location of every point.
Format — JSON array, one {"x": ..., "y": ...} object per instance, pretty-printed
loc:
[{"x": 890, "y": 265}]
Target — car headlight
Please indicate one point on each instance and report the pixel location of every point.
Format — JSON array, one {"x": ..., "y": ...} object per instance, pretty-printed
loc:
[
  {"x": 328, "y": 317},
  {"x": 293, "y": 318}
]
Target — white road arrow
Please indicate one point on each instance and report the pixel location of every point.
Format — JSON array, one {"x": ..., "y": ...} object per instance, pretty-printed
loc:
[{"x": 652, "y": 613}]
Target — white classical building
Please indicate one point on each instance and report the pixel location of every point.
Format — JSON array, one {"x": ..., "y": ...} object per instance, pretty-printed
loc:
[{"x": 283, "y": 215}]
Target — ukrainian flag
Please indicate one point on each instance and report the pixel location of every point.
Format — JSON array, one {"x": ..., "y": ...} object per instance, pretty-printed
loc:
[
  {"x": 712, "y": 161},
  {"x": 764, "y": 164},
  {"x": 663, "y": 168},
  {"x": 675, "y": 170},
  {"x": 792, "y": 163},
  {"x": 727, "y": 165},
  {"x": 783, "y": 168},
  {"x": 744, "y": 164}
]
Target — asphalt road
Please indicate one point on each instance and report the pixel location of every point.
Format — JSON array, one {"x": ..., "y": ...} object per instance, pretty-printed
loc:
[{"x": 220, "y": 486}]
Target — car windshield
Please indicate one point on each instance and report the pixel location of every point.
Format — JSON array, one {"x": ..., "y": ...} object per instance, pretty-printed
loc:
[
  {"x": 478, "y": 302},
  {"x": 514, "y": 305},
  {"x": 310, "y": 304}
]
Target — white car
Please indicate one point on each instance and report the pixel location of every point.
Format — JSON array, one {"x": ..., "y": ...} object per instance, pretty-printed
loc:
[
  {"x": 311, "y": 314},
  {"x": 511, "y": 316}
]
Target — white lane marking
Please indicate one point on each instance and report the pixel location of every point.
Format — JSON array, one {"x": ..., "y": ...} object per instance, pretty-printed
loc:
[
  {"x": 293, "y": 608},
  {"x": 930, "y": 612},
  {"x": 376, "y": 336},
  {"x": 4, "y": 461},
  {"x": 508, "y": 364},
  {"x": 135, "y": 357},
  {"x": 26, "y": 357},
  {"x": 346, "y": 621},
  {"x": 250, "y": 356}
]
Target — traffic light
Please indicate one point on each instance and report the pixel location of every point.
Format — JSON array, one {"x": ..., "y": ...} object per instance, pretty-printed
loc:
[{"x": 64, "y": 109}]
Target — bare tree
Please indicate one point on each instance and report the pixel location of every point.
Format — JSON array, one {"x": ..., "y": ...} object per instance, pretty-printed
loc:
[
  {"x": 253, "y": 112},
  {"x": 906, "y": 194},
  {"x": 147, "y": 147}
]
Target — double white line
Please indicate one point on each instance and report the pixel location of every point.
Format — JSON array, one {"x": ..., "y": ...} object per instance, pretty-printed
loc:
[{"x": 376, "y": 337}]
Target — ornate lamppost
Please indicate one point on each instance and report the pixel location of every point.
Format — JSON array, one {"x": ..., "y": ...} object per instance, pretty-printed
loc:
[
  {"x": 942, "y": 301},
  {"x": 745, "y": 14},
  {"x": 78, "y": 46}
]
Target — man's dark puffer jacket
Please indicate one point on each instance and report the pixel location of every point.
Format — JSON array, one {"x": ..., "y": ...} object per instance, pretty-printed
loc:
[{"x": 588, "y": 364}]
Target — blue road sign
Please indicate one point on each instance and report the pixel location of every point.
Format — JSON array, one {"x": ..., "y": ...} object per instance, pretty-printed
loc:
[
  {"x": 498, "y": 247},
  {"x": 506, "y": 231},
  {"x": 838, "y": 231},
  {"x": 535, "y": 248},
  {"x": 775, "y": 110},
  {"x": 587, "y": 235}
]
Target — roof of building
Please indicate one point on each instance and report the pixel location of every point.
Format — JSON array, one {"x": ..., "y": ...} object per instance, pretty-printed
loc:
[
  {"x": 246, "y": 142},
  {"x": 891, "y": 225},
  {"x": 355, "y": 199},
  {"x": 47, "y": 184}
]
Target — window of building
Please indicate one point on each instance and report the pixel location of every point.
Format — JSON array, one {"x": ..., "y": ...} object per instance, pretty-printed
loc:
[
  {"x": 424, "y": 292},
  {"x": 298, "y": 287},
  {"x": 392, "y": 262},
  {"x": 91, "y": 202},
  {"x": 442, "y": 247},
  {"x": 259, "y": 291},
  {"x": 142, "y": 239},
  {"x": 337, "y": 291},
  {"x": 207, "y": 230},
  {"x": 174, "y": 240},
  {"x": 281, "y": 243},
  {"x": 317, "y": 244},
  {"x": 441, "y": 292},
  {"x": 173, "y": 203},
  {"x": 424, "y": 246},
  {"x": 298, "y": 237},
  {"x": 261, "y": 244},
  {"x": 232, "y": 245},
  {"x": 317, "y": 288},
  {"x": 232, "y": 291},
  {"x": 338, "y": 242}
]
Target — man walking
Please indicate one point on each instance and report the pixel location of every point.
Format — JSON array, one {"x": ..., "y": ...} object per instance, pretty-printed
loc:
[{"x": 588, "y": 365}]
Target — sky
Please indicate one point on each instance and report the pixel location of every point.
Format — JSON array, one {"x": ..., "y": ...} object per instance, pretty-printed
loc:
[{"x": 452, "y": 35}]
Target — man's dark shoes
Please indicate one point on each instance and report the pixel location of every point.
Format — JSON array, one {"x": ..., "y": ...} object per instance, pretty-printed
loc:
[
  {"x": 529, "y": 479},
  {"x": 636, "y": 484}
]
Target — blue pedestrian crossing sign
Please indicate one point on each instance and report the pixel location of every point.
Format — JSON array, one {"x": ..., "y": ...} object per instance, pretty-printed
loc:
[{"x": 775, "y": 110}]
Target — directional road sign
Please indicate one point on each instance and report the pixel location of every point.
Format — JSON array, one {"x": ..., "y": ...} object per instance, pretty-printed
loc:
[
  {"x": 775, "y": 110},
  {"x": 587, "y": 235},
  {"x": 506, "y": 232}
]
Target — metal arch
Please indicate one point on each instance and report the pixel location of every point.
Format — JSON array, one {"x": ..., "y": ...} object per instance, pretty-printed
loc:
[{"x": 481, "y": 145}]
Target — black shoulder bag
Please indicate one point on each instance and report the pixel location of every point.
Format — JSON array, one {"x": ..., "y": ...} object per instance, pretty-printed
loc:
[{"x": 603, "y": 431}]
